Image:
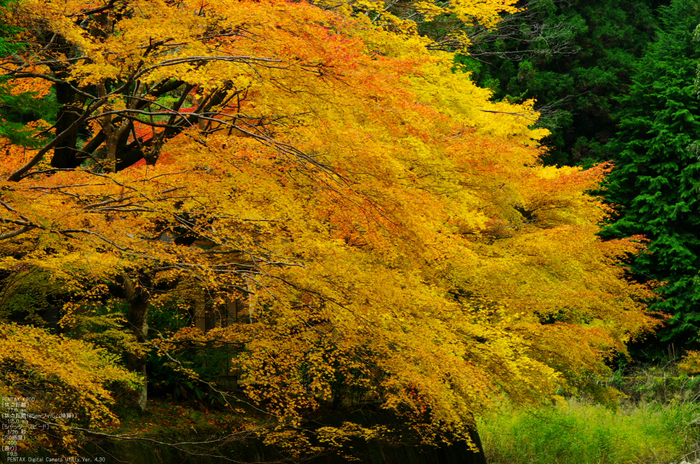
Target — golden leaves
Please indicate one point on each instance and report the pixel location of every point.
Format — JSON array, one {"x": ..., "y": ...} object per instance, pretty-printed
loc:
[
  {"x": 76, "y": 369},
  {"x": 389, "y": 227}
]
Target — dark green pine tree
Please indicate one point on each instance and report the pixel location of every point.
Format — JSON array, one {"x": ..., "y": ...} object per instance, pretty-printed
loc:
[
  {"x": 573, "y": 57},
  {"x": 654, "y": 186},
  {"x": 7, "y": 47}
]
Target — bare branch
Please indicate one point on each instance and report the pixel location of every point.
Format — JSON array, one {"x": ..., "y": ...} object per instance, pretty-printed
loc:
[{"x": 17, "y": 232}]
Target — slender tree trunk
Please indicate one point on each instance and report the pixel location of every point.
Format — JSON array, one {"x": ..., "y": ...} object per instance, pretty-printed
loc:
[{"x": 138, "y": 298}]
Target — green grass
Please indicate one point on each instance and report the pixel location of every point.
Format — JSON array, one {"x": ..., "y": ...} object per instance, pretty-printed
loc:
[{"x": 581, "y": 433}]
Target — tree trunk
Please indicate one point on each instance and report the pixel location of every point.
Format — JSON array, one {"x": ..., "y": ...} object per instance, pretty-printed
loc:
[
  {"x": 65, "y": 155},
  {"x": 138, "y": 298}
]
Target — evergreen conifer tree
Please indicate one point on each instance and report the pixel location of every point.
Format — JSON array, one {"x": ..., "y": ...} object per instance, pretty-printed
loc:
[
  {"x": 574, "y": 58},
  {"x": 654, "y": 184}
]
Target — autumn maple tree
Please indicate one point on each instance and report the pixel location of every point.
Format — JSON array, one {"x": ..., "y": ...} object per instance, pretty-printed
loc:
[{"x": 386, "y": 230}]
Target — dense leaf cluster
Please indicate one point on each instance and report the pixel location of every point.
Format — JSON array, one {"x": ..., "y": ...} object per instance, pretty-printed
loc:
[
  {"x": 299, "y": 210},
  {"x": 654, "y": 185},
  {"x": 614, "y": 81}
]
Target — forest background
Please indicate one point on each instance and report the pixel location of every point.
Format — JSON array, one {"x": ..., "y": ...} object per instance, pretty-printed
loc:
[{"x": 279, "y": 214}]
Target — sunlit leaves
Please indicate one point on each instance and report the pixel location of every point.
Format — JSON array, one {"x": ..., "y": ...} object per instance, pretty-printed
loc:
[{"x": 388, "y": 229}]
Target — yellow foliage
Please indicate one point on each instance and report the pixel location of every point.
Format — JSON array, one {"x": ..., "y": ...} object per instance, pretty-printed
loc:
[
  {"x": 61, "y": 376},
  {"x": 395, "y": 239},
  {"x": 690, "y": 363}
]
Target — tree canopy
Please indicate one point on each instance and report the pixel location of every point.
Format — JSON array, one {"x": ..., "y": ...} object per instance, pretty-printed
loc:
[
  {"x": 384, "y": 229},
  {"x": 654, "y": 184}
]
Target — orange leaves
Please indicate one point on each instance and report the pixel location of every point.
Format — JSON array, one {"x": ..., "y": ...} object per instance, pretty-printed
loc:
[
  {"x": 39, "y": 87},
  {"x": 13, "y": 156},
  {"x": 389, "y": 227}
]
